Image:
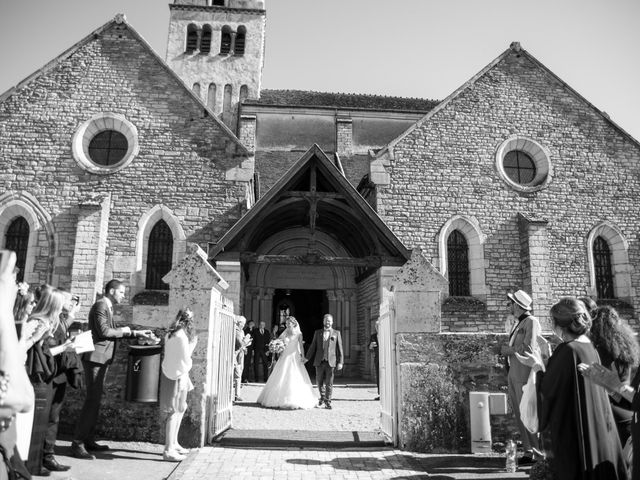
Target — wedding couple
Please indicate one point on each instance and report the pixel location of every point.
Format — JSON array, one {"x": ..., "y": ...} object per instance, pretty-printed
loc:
[{"x": 289, "y": 385}]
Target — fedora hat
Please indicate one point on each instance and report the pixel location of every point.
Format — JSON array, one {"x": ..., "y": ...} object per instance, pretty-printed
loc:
[{"x": 521, "y": 298}]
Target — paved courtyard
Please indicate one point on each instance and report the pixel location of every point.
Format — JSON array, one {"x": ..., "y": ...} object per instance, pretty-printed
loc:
[{"x": 342, "y": 443}]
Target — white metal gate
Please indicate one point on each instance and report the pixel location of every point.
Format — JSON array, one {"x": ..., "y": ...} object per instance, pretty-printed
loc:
[
  {"x": 388, "y": 371},
  {"x": 221, "y": 380}
]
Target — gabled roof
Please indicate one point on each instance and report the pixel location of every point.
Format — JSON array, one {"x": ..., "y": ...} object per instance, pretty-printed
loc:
[
  {"x": 120, "y": 19},
  {"x": 315, "y": 195},
  {"x": 516, "y": 49},
  {"x": 305, "y": 98}
]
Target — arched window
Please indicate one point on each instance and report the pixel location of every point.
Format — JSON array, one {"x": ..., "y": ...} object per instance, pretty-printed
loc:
[
  {"x": 241, "y": 38},
  {"x": 244, "y": 93},
  {"x": 205, "y": 42},
  {"x": 603, "y": 270},
  {"x": 226, "y": 105},
  {"x": 225, "y": 41},
  {"x": 17, "y": 239},
  {"x": 196, "y": 89},
  {"x": 159, "y": 256},
  {"x": 211, "y": 97},
  {"x": 458, "y": 264},
  {"x": 192, "y": 38}
]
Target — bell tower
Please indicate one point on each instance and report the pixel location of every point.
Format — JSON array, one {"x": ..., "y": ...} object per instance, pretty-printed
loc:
[{"x": 217, "y": 48}]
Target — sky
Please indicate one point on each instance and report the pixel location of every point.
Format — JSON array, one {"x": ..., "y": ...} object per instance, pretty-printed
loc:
[{"x": 408, "y": 48}]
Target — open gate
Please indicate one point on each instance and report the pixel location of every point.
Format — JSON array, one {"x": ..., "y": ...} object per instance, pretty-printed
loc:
[
  {"x": 221, "y": 381},
  {"x": 388, "y": 370}
]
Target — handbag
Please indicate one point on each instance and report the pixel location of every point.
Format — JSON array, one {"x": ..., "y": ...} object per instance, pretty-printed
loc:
[{"x": 529, "y": 403}]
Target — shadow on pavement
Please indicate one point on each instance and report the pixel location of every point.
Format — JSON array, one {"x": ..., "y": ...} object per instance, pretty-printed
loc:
[{"x": 441, "y": 467}]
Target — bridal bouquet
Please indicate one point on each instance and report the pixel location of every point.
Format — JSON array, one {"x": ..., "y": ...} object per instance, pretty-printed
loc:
[{"x": 276, "y": 346}]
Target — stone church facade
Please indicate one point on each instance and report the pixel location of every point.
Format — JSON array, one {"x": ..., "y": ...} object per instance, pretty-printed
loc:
[{"x": 114, "y": 159}]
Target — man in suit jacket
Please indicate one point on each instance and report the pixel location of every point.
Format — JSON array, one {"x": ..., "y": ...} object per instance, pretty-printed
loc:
[
  {"x": 326, "y": 351},
  {"x": 105, "y": 333},
  {"x": 522, "y": 344},
  {"x": 261, "y": 338}
]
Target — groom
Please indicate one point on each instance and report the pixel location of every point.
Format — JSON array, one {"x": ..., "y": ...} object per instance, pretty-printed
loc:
[{"x": 326, "y": 351}]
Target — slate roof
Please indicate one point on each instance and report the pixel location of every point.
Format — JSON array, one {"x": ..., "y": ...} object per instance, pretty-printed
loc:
[
  {"x": 271, "y": 165},
  {"x": 342, "y": 100}
]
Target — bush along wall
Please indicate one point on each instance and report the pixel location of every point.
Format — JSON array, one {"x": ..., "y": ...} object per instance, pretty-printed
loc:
[{"x": 436, "y": 374}]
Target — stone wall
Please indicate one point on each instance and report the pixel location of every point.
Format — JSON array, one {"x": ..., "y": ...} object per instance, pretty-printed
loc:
[
  {"x": 436, "y": 374},
  {"x": 182, "y": 164},
  {"x": 446, "y": 166}
]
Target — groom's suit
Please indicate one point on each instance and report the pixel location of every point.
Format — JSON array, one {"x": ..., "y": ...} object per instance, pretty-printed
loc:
[{"x": 327, "y": 353}]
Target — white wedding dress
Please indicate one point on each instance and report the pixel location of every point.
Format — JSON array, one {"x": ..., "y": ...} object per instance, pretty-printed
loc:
[{"x": 289, "y": 385}]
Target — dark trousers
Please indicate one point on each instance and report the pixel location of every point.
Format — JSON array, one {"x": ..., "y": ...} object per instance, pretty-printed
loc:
[
  {"x": 324, "y": 379},
  {"x": 94, "y": 374},
  {"x": 59, "y": 390},
  {"x": 247, "y": 364},
  {"x": 261, "y": 357},
  {"x": 376, "y": 367},
  {"x": 43, "y": 395}
]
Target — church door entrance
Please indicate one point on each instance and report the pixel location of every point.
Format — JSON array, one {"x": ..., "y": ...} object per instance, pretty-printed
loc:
[{"x": 308, "y": 306}]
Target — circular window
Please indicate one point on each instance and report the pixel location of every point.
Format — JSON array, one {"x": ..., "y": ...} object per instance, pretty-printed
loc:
[
  {"x": 523, "y": 164},
  {"x": 105, "y": 143},
  {"x": 519, "y": 167},
  {"x": 108, "y": 147}
]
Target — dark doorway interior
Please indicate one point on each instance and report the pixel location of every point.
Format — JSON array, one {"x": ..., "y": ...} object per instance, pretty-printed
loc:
[{"x": 308, "y": 306}]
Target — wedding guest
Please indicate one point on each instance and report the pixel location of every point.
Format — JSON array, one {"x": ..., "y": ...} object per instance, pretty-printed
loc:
[
  {"x": 590, "y": 305},
  {"x": 619, "y": 351},
  {"x": 575, "y": 412},
  {"x": 373, "y": 348},
  {"x": 68, "y": 370},
  {"x": 248, "y": 356},
  {"x": 175, "y": 383},
  {"x": 241, "y": 342},
  {"x": 23, "y": 305},
  {"x": 16, "y": 391},
  {"x": 261, "y": 338},
  {"x": 522, "y": 344},
  {"x": 41, "y": 370},
  {"x": 105, "y": 334}
]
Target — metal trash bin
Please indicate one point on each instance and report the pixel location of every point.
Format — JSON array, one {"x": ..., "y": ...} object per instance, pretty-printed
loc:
[{"x": 143, "y": 373}]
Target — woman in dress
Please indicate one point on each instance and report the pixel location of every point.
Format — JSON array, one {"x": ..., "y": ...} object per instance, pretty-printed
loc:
[
  {"x": 175, "y": 382},
  {"x": 618, "y": 349},
  {"x": 574, "y": 412},
  {"x": 289, "y": 385}
]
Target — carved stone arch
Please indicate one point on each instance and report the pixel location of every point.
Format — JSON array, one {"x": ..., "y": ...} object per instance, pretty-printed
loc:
[
  {"x": 620, "y": 264},
  {"x": 42, "y": 237},
  {"x": 145, "y": 225},
  {"x": 292, "y": 241},
  {"x": 470, "y": 228}
]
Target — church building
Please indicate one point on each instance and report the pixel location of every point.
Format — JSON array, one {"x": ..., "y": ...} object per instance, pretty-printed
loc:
[{"x": 115, "y": 159}]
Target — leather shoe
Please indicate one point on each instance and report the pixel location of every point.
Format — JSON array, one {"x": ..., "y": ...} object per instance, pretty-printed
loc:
[
  {"x": 320, "y": 402},
  {"x": 328, "y": 405},
  {"x": 50, "y": 463},
  {"x": 96, "y": 447},
  {"x": 78, "y": 451},
  {"x": 43, "y": 472}
]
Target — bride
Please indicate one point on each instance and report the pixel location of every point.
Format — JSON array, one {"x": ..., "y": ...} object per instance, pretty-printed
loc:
[{"x": 289, "y": 385}]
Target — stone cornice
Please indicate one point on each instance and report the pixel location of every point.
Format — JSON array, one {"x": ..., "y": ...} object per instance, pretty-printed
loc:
[{"x": 205, "y": 8}]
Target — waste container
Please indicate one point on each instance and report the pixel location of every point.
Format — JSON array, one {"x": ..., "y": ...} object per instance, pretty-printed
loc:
[{"x": 143, "y": 373}]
